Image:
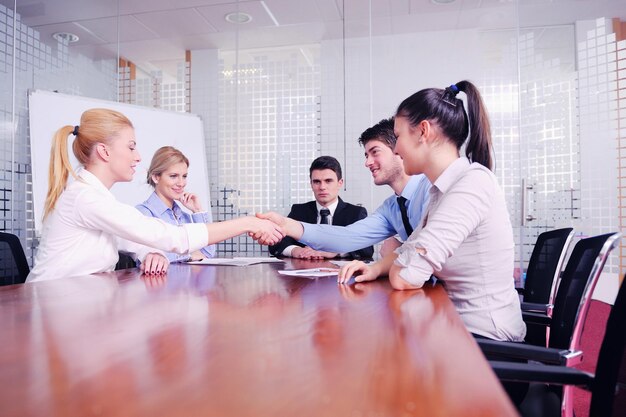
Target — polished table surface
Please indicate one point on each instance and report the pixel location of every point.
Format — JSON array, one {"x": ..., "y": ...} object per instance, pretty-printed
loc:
[{"x": 237, "y": 341}]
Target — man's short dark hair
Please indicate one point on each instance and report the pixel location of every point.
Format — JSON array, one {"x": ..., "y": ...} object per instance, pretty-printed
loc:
[
  {"x": 382, "y": 131},
  {"x": 326, "y": 162}
]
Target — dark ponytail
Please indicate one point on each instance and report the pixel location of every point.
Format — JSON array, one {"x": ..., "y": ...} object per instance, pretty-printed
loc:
[
  {"x": 441, "y": 107},
  {"x": 479, "y": 148}
]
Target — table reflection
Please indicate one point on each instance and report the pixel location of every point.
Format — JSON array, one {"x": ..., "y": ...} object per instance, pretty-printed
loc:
[{"x": 245, "y": 341}]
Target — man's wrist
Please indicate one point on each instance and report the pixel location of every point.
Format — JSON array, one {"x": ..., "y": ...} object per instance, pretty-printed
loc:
[{"x": 294, "y": 228}]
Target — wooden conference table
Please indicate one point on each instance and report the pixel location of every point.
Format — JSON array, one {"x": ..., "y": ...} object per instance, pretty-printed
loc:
[{"x": 237, "y": 341}]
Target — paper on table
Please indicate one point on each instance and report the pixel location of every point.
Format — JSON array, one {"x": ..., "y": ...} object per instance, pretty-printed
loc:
[
  {"x": 310, "y": 273},
  {"x": 237, "y": 261},
  {"x": 342, "y": 263}
]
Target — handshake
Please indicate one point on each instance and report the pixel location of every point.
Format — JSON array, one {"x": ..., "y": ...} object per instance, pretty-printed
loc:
[{"x": 270, "y": 228}]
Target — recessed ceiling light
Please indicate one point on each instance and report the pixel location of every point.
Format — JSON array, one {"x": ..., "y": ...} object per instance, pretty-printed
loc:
[
  {"x": 65, "y": 37},
  {"x": 238, "y": 18},
  {"x": 442, "y": 1}
]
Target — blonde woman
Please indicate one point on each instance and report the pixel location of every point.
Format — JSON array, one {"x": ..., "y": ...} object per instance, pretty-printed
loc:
[
  {"x": 168, "y": 176},
  {"x": 84, "y": 225}
]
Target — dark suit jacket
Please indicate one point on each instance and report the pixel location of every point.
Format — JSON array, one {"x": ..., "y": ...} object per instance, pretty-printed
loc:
[{"x": 345, "y": 214}]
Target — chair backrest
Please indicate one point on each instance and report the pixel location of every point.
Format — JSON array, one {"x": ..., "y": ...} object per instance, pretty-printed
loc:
[
  {"x": 13, "y": 264},
  {"x": 125, "y": 261},
  {"x": 545, "y": 264},
  {"x": 577, "y": 284},
  {"x": 608, "y": 398}
]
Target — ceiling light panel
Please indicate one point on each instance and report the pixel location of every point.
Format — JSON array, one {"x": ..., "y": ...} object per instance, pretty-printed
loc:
[{"x": 215, "y": 15}]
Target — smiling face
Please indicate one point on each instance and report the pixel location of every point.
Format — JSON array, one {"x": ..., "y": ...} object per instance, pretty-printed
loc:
[
  {"x": 124, "y": 156},
  {"x": 325, "y": 186},
  {"x": 409, "y": 146},
  {"x": 171, "y": 183},
  {"x": 385, "y": 166}
]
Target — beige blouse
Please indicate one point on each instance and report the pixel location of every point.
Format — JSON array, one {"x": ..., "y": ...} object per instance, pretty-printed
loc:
[{"x": 468, "y": 239}]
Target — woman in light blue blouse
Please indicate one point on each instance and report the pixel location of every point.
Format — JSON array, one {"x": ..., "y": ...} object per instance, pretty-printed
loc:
[{"x": 168, "y": 175}]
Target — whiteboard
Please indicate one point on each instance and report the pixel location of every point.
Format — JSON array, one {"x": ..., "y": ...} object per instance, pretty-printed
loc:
[{"x": 154, "y": 128}]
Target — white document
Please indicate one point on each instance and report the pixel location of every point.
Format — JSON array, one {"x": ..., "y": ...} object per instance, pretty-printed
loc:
[
  {"x": 342, "y": 263},
  {"x": 310, "y": 273},
  {"x": 241, "y": 261}
]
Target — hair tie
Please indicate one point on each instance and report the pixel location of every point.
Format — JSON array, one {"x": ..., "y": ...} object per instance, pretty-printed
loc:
[
  {"x": 75, "y": 131},
  {"x": 449, "y": 95}
]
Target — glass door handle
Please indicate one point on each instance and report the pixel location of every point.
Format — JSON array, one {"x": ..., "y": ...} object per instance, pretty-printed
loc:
[{"x": 526, "y": 190}]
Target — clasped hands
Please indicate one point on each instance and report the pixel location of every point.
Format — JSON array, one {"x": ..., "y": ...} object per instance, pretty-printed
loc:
[
  {"x": 292, "y": 228},
  {"x": 282, "y": 224},
  {"x": 359, "y": 270}
]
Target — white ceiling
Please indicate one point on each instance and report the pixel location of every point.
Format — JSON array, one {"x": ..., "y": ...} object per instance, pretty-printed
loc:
[{"x": 156, "y": 31}]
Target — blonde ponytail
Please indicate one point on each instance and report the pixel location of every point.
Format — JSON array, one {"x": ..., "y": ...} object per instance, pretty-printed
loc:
[
  {"x": 60, "y": 168},
  {"x": 96, "y": 126}
]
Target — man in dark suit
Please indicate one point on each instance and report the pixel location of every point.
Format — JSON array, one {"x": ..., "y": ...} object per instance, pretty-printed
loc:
[{"x": 328, "y": 208}]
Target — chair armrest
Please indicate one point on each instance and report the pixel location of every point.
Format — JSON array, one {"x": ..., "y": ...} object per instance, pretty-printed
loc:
[
  {"x": 533, "y": 372},
  {"x": 536, "y": 318},
  {"x": 511, "y": 350},
  {"x": 535, "y": 307}
]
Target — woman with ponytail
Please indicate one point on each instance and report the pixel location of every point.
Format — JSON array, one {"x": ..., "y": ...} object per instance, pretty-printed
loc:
[
  {"x": 84, "y": 225},
  {"x": 465, "y": 239}
]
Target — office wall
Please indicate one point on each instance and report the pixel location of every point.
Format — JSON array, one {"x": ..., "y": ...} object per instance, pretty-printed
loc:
[
  {"x": 380, "y": 73},
  {"x": 552, "y": 131},
  {"x": 27, "y": 63}
]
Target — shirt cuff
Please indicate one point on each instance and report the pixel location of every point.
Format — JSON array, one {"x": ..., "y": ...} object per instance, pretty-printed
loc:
[
  {"x": 201, "y": 217},
  {"x": 174, "y": 257},
  {"x": 415, "y": 269},
  {"x": 287, "y": 251},
  {"x": 197, "y": 235},
  {"x": 208, "y": 251}
]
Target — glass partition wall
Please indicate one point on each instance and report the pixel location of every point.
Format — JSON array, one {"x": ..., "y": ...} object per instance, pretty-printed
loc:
[{"x": 280, "y": 82}]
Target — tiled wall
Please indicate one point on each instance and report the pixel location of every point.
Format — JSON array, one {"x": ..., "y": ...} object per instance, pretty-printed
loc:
[
  {"x": 598, "y": 120},
  {"x": 152, "y": 91},
  {"x": 261, "y": 113},
  {"x": 37, "y": 66},
  {"x": 268, "y": 130}
]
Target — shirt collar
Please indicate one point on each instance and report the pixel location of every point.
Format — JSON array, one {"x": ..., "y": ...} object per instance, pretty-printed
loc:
[
  {"x": 451, "y": 174},
  {"x": 89, "y": 178},
  {"x": 332, "y": 207},
  {"x": 156, "y": 205},
  {"x": 411, "y": 186}
]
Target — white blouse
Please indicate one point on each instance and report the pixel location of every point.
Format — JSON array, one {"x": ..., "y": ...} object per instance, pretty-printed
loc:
[
  {"x": 468, "y": 239},
  {"x": 88, "y": 226}
]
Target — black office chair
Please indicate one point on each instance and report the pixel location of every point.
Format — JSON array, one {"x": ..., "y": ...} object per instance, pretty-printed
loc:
[
  {"x": 13, "y": 264},
  {"x": 125, "y": 261},
  {"x": 545, "y": 264},
  {"x": 542, "y": 277},
  {"x": 570, "y": 308},
  {"x": 608, "y": 386}
]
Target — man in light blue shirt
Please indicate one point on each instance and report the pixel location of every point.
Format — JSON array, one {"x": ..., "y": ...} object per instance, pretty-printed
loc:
[{"x": 388, "y": 220}]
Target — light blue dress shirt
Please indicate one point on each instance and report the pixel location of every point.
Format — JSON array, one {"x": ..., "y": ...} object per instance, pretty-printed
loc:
[
  {"x": 385, "y": 222},
  {"x": 155, "y": 207}
]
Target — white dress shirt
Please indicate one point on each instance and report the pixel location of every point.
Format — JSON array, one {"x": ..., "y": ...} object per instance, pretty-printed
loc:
[
  {"x": 88, "y": 226},
  {"x": 287, "y": 251},
  {"x": 468, "y": 239}
]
